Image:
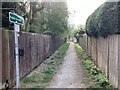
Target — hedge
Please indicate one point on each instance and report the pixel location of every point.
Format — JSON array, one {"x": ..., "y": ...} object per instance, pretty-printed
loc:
[{"x": 104, "y": 20}]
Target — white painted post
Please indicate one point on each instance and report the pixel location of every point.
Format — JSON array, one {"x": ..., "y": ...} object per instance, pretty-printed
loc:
[
  {"x": 17, "y": 20},
  {"x": 16, "y": 30}
]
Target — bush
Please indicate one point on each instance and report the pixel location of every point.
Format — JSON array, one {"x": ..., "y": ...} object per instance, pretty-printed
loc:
[{"x": 104, "y": 21}]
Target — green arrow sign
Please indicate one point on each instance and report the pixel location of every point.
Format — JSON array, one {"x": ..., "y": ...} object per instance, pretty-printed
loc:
[{"x": 14, "y": 18}]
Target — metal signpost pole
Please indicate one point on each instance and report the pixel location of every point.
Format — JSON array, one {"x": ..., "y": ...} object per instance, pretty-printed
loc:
[
  {"x": 17, "y": 20},
  {"x": 16, "y": 29}
]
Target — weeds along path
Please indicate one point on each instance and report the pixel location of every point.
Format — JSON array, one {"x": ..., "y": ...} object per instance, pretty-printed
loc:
[{"x": 71, "y": 73}]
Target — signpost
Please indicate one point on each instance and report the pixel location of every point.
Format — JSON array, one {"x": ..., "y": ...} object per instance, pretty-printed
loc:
[
  {"x": 17, "y": 20},
  {"x": 14, "y": 18}
]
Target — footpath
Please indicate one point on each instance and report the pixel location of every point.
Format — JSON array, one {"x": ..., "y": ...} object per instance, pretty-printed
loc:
[{"x": 71, "y": 73}]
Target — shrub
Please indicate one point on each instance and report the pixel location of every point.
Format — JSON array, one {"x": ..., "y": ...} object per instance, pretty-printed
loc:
[{"x": 104, "y": 20}]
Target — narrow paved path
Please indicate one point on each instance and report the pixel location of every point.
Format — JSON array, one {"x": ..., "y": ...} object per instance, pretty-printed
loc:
[{"x": 71, "y": 73}]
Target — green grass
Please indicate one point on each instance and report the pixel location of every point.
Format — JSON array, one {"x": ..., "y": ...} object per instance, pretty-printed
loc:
[
  {"x": 48, "y": 74},
  {"x": 100, "y": 79},
  {"x": 41, "y": 80},
  {"x": 33, "y": 78}
]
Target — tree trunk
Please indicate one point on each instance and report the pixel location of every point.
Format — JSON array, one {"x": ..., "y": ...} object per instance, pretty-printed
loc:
[{"x": 29, "y": 17}]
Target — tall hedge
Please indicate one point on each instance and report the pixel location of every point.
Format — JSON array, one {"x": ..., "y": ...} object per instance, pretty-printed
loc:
[{"x": 104, "y": 20}]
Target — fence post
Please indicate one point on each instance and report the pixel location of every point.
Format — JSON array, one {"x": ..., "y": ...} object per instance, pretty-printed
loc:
[{"x": 0, "y": 59}]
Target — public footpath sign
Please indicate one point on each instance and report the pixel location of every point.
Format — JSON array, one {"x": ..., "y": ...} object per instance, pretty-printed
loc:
[
  {"x": 17, "y": 20},
  {"x": 14, "y": 18}
]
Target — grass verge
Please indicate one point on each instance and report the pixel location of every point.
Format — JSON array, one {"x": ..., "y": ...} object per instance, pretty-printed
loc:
[
  {"x": 42, "y": 79},
  {"x": 100, "y": 80}
]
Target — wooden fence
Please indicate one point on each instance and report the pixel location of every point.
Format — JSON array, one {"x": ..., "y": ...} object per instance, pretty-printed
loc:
[
  {"x": 106, "y": 55},
  {"x": 34, "y": 49}
]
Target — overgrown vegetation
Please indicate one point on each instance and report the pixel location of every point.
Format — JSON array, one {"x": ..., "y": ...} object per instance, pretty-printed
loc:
[
  {"x": 42, "y": 79},
  {"x": 100, "y": 80},
  {"x": 104, "y": 20}
]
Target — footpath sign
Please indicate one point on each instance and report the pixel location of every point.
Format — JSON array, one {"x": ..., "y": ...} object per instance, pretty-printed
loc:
[
  {"x": 14, "y": 18},
  {"x": 17, "y": 20}
]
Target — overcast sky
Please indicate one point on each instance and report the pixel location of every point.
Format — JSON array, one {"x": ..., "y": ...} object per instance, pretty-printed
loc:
[{"x": 81, "y": 9}]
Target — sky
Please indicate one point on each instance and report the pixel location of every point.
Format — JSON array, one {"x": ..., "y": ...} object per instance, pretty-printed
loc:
[{"x": 81, "y": 9}]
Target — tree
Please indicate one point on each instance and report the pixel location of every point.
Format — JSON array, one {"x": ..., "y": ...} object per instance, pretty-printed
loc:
[
  {"x": 35, "y": 7},
  {"x": 49, "y": 18},
  {"x": 18, "y": 7},
  {"x": 56, "y": 18},
  {"x": 79, "y": 32},
  {"x": 6, "y": 8}
]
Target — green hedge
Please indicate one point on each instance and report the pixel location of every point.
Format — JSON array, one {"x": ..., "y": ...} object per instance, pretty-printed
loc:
[{"x": 103, "y": 21}]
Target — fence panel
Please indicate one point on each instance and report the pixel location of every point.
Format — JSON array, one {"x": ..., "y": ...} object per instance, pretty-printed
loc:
[
  {"x": 103, "y": 54},
  {"x": 0, "y": 59},
  {"x": 5, "y": 57},
  {"x": 12, "y": 57},
  {"x": 94, "y": 50},
  {"x": 118, "y": 62},
  {"x": 83, "y": 42},
  {"x": 106, "y": 53},
  {"x": 46, "y": 45},
  {"x": 89, "y": 47},
  {"x": 113, "y": 60},
  {"x": 34, "y": 49}
]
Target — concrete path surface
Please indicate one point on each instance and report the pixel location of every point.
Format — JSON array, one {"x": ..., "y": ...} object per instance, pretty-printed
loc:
[{"x": 71, "y": 73}]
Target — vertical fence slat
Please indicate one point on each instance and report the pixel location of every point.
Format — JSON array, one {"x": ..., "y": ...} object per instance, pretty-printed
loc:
[
  {"x": 113, "y": 60},
  {"x": 12, "y": 57},
  {"x": 93, "y": 50},
  {"x": 0, "y": 59},
  {"x": 5, "y": 55},
  {"x": 118, "y": 62}
]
